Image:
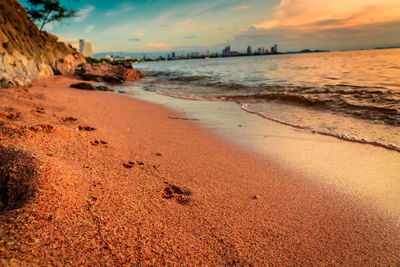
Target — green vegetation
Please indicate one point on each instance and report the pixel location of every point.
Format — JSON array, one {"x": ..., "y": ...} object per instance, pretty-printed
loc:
[
  {"x": 91, "y": 60},
  {"x": 45, "y": 11},
  {"x": 73, "y": 48}
]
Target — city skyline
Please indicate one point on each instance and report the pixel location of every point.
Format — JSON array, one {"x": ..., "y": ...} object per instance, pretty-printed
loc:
[
  {"x": 226, "y": 52},
  {"x": 160, "y": 26}
]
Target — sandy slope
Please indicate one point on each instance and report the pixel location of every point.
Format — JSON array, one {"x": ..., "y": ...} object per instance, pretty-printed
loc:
[{"x": 187, "y": 197}]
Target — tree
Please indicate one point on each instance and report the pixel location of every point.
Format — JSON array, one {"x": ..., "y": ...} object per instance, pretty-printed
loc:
[{"x": 45, "y": 11}]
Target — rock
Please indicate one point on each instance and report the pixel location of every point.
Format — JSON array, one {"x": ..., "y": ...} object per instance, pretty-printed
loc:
[
  {"x": 107, "y": 73},
  {"x": 26, "y": 53},
  {"x": 68, "y": 64},
  {"x": 88, "y": 86},
  {"x": 83, "y": 86},
  {"x": 4, "y": 83},
  {"x": 104, "y": 88}
]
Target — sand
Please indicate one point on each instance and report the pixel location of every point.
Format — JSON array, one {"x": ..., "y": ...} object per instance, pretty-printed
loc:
[
  {"x": 138, "y": 185},
  {"x": 366, "y": 172}
]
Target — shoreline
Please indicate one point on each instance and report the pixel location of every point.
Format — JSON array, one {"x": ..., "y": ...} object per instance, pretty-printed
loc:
[
  {"x": 369, "y": 173},
  {"x": 184, "y": 195}
]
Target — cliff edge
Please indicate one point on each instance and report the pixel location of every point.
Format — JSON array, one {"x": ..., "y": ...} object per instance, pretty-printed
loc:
[{"x": 26, "y": 53}]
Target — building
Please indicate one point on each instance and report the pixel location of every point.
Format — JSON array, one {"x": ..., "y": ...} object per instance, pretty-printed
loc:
[
  {"x": 108, "y": 57},
  {"x": 274, "y": 49},
  {"x": 226, "y": 51},
  {"x": 249, "y": 50},
  {"x": 173, "y": 55},
  {"x": 85, "y": 48}
]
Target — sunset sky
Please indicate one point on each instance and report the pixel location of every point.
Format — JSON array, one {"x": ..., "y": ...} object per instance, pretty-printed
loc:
[{"x": 164, "y": 25}]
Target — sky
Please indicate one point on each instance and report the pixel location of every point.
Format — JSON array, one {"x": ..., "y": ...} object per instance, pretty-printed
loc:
[{"x": 192, "y": 25}]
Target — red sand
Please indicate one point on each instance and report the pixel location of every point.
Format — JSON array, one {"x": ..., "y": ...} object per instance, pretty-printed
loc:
[{"x": 182, "y": 197}]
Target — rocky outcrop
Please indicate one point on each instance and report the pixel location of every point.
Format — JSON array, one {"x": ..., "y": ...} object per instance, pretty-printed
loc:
[
  {"x": 27, "y": 53},
  {"x": 107, "y": 73},
  {"x": 68, "y": 64},
  {"x": 90, "y": 87}
]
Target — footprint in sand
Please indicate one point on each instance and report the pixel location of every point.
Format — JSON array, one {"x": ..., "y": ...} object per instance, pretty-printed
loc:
[
  {"x": 86, "y": 128},
  {"x": 69, "y": 119},
  {"x": 12, "y": 131},
  {"x": 13, "y": 115},
  {"x": 130, "y": 164},
  {"x": 39, "y": 110},
  {"x": 180, "y": 195},
  {"x": 42, "y": 128},
  {"x": 98, "y": 142},
  {"x": 20, "y": 131}
]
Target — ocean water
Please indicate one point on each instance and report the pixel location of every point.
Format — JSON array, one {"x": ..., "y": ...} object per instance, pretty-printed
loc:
[{"x": 352, "y": 95}]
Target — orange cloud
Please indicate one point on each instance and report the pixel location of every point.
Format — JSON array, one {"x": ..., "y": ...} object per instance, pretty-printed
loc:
[
  {"x": 310, "y": 15},
  {"x": 241, "y": 7},
  {"x": 157, "y": 45}
]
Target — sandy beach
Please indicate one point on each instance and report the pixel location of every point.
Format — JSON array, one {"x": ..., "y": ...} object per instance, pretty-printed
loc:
[{"x": 120, "y": 181}]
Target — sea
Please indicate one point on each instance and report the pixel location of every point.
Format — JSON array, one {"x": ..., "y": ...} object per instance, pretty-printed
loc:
[{"x": 350, "y": 95}]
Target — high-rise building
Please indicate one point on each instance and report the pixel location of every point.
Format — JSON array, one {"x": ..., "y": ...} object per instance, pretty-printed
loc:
[
  {"x": 249, "y": 49},
  {"x": 85, "y": 48},
  {"x": 226, "y": 51},
  {"x": 173, "y": 54},
  {"x": 274, "y": 49}
]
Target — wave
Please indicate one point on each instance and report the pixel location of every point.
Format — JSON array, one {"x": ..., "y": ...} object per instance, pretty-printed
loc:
[
  {"x": 281, "y": 97},
  {"x": 343, "y": 136},
  {"x": 369, "y": 103},
  {"x": 343, "y": 101},
  {"x": 188, "y": 78},
  {"x": 245, "y": 106},
  {"x": 187, "y": 97}
]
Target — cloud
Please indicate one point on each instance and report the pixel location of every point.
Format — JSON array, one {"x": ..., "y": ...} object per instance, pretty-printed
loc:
[
  {"x": 311, "y": 15},
  {"x": 185, "y": 22},
  {"x": 84, "y": 13},
  {"x": 326, "y": 24},
  {"x": 121, "y": 8},
  {"x": 89, "y": 28},
  {"x": 135, "y": 39},
  {"x": 290, "y": 39},
  {"x": 240, "y": 7},
  {"x": 157, "y": 45},
  {"x": 137, "y": 33},
  {"x": 191, "y": 37}
]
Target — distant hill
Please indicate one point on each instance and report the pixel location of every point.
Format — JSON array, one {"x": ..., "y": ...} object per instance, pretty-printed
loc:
[
  {"x": 388, "y": 47},
  {"x": 307, "y": 51}
]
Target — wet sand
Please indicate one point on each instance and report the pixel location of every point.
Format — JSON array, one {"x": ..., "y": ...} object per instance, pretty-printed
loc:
[
  {"x": 366, "y": 172},
  {"x": 136, "y": 184}
]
